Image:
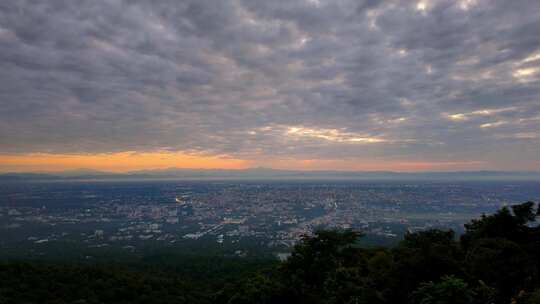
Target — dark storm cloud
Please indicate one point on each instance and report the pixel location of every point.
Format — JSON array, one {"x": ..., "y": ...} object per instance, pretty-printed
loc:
[{"x": 437, "y": 80}]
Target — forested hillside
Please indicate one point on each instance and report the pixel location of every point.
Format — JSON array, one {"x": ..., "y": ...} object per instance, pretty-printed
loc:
[{"x": 496, "y": 260}]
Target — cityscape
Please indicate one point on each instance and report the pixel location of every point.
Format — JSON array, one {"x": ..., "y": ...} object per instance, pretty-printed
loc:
[{"x": 272, "y": 215}]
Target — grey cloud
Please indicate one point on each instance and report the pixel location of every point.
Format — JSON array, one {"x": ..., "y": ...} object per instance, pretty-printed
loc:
[{"x": 105, "y": 76}]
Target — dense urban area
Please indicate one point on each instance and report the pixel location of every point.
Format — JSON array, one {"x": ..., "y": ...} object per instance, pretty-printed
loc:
[{"x": 234, "y": 218}]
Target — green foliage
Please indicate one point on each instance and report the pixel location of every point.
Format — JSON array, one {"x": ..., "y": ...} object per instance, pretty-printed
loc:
[
  {"x": 503, "y": 224},
  {"x": 450, "y": 290},
  {"x": 317, "y": 255},
  {"x": 316, "y": 259},
  {"x": 484, "y": 294},
  {"x": 500, "y": 263},
  {"x": 423, "y": 256},
  {"x": 348, "y": 285},
  {"x": 37, "y": 283},
  {"x": 426, "y": 239},
  {"x": 255, "y": 289},
  {"x": 524, "y": 213},
  {"x": 534, "y": 297},
  {"x": 499, "y": 225}
]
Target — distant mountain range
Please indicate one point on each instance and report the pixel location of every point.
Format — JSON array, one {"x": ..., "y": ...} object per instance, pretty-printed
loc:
[{"x": 268, "y": 174}]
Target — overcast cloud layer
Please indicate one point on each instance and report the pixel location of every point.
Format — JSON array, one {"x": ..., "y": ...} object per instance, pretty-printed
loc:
[{"x": 257, "y": 79}]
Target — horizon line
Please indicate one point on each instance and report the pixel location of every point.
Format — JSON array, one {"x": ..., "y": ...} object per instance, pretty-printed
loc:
[{"x": 90, "y": 170}]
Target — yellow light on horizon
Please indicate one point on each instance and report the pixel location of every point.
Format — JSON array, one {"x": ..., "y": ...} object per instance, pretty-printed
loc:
[
  {"x": 131, "y": 161},
  {"x": 117, "y": 162}
]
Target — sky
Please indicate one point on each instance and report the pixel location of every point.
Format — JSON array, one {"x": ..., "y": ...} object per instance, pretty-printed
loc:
[{"x": 122, "y": 85}]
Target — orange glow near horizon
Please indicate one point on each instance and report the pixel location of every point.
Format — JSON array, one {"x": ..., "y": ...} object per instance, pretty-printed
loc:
[
  {"x": 373, "y": 165},
  {"x": 131, "y": 161},
  {"x": 116, "y": 162}
]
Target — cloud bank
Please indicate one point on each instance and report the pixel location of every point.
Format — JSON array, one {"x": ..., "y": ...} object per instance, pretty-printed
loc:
[{"x": 433, "y": 81}]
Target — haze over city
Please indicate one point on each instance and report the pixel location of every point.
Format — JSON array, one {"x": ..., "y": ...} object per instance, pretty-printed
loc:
[{"x": 299, "y": 84}]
